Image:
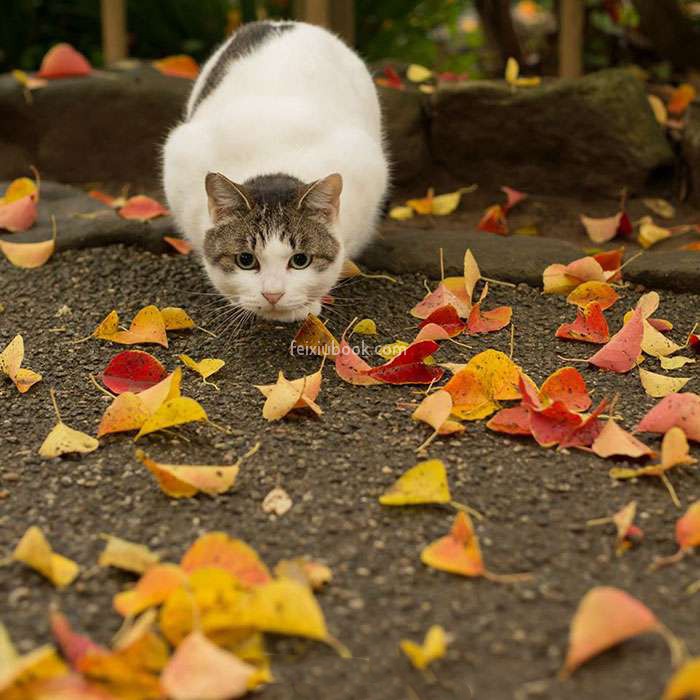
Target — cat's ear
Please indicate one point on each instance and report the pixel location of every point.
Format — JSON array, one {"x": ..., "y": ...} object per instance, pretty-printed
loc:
[
  {"x": 322, "y": 197},
  {"x": 226, "y": 198}
]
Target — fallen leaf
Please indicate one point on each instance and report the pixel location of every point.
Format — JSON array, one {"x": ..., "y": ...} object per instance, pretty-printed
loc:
[
  {"x": 661, "y": 207},
  {"x": 605, "y": 229},
  {"x": 599, "y": 292},
  {"x": 424, "y": 483},
  {"x": 200, "y": 669},
  {"x": 401, "y": 213},
  {"x": 457, "y": 552},
  {"x": 29, "y": 256},
  {"x": 512, "y": 76},
  {"x": 488, "y": 321},
  {"x": 650, "y": 234},
  {"x": 186, "y": 480},
  {"x": 418, "y": 74},
  {"x": 552, "y": 424},
  {"x": 35, "y": 551},
  {"x": 688, "y": 528},
  {"x": 179, "y": 66},
  {"x": 64, "y": 440},
  {"x": 438, "y": 299},
  {"x": 179, "y": 244},
  {"x": 63, "y": 61},
  {"x": 351, "y": 368},
  {"x": 447, "y": 319},
  {"x": 681, "y": 98},
  {"x": 107, "y": 199},
  {"x": 391, "y": 350},
  {"x": 435, "y": 410},
  {"x": 128, "y": 556},
  {"x": 675, "y": 362},
  {"x": 621, "y": 352},
  {"x": 304, "y": 570},
  {"x": 218, "y": 550},
  {"x": 390, "y": 79},
  {"x": 285, "y": 395},
  {"x": 659, "y": 108},
  {"x": 408, "y": 367},
  {"x": 173, "y": 412},
  {"x": 142, "y": 208},
  {"x": 176, "y": 319},
  {"x": 27, "y": 81},
  {"x": 277, "y": 502},
  {"x": 568, "y": 386},
  {"x": 132, "y": 370},
  {"x": 74, "y": 646},
  {"x": 658, "y": 385},
  {"x": 590, "y": 325},
  {"x": 615, "y": 441},
  {"x": 434, "y": 647},
  {"x": 681, "y": 410},
  {"x": 204, "y": 368},
  {"x": 365, "y": 327},
  {"x": 605, "y": 617},
  {"x": 315, "y": 337},
  {"x": 494, "y": 220},
  {"x": 18, "y": 213},
  {"x": 512, "y": 421},
  {"x": 21, "y": 676},
  {"x": 655, "y": 343},
  {"x": 147, "y": 327},
  {"x": 11, "y": 359},
  {"x": 152, "y": 589},
  {"x": 685, "y": 682}
]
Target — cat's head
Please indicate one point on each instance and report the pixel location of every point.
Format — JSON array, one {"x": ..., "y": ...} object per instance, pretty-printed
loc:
[{"x": 272, "y": 248}]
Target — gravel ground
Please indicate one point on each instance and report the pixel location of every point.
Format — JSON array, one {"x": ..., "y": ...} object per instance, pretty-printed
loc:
[{"x": 509, "y": 639}]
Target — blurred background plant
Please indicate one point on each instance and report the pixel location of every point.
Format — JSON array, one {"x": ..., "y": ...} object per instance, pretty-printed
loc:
[{"x": 462, "y": 36}]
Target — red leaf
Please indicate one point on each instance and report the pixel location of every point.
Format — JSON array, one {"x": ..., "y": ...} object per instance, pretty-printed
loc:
[
  {"x": 674, "y": 410},
  {"x": 513, "y": 421},
  {"x": 74, "y": 646},
  {"x": 488, "y": 321},
  {"x": 413, "y": 373},
  {"x": 103, "y": 197},
  {"x": 568, "y": 386},
  {"x": 63, "y": 61},
  {"x": 590, "y": 326},
  {"x": 185, "y": 248},
  {"x": 552, "y": 424},
  {"x": 585, "y": 434},
  {"x": 393, "y": 79},
  {"x": 416, "y": 352},
  {"x": 142, "y": 208},
  {"x": 133, "y": 370},
  {"x": 621, "y": 352},
  {"x": 611, "y": 260},
  {"x": 446, "y": 317},
  {"x": 514, "y": 196},
  {"x": 494, "y": 220}
]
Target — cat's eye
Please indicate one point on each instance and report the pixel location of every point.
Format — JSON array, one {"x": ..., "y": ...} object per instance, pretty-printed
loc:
[
  {"x": 299, "y": 261},
  {"x": 246, "y": 261}
]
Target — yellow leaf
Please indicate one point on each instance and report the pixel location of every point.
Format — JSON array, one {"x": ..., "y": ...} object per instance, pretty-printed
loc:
[
  {"x": 435, "y": 410},
  {"x": 658, "y": 385},
  {"x": 675, "y": 362},
  {"x": 650, "y": 233},
  {"x": 659, "y": 108},
  {"x": 205, "y": 368},
  {"x": 660, "y": 206},
  {"x": 445, "y": 204},
  {"x": 424, "y": 483},
  {"x": 148, "y": 326},
  {"x": 418, "y": 74},
  {"x": 176, "y": 319},
  {"x": 512, "y": 71},
  {"x": 685, "y": 683},
  {"x": 434, "y": 647},
  {"x": 183, "y": 481},
  {"x": 126, "y": 555},
  {"x": 390, "y": 351},
  {"x": 401, "y": 213},
  {"x": 28, "y": 255},
  {"x": 19, "y": 188},
  {"x": 153, "y": 588},
  {"x": 655, "y": 343},
  {"x": 173, "y": 412},
  {"x": 286, "y": 395},
  {"x": 305, "y": 571},
  {"x": 10, "y": 364},
  {"x": 34, "y": 551},
  {"x": 64, "y": 440},
  {"x": 365, "y": 327},
  {"x": 19, "y": 680}
]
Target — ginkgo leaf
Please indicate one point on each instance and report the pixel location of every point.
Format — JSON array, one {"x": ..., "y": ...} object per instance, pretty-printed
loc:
[
  {"x": 488, "y": 321},
  {"x": 11, "y": 359},
  {"x": 650, "y": 234},
  {"x": 65, "y": 440},
  {"x": 605, "y": 617},
  {"x": 659, "y": 385},
  {"x": 365, "y": 327},
  {"x": 602, "y": 230},
  {"x": 35, "y": 551},
  {"x": 126, "y": 555},
  {"x": 200, "y": 669},
  {"x": 147, "y": 327},
  {"x": 184, "y": 481},
  {"x": 285, "y": 395},
  {"x": 181, "y": 245},
  {"x": 590, "y": 325},
  {"x": 424, "y": 483},
  {"x": 173, "y": 412},
  {"x": 152, "y": 589},
  {"x": 401, "y": 213},
  {"x": 568, "y": 386},
  {"x": 204, "y": 368},
  {"x": 418, "y": 74},
  {"x": 179, "y": 66},
  {"x": 615, "y": 441},
  {"x": 682, "y": 410},
  {"x": 315, "y": 337},
  {"x": 176, "y": 319},
  {"x": 218, "y": 550},
  {"x": 681, "y": 98},
  {"x": 438, "y": 299},
  {"x": 74, "y": 646},
  {"x": 494, "y": 220},
  {"x": 434, "y": 647},
  {"x": 38, "y": 667},
  {"x": 305, "y": 570},
  {"x": 458, "y": 552},
  {"x": 675, "y": 362},
  {"x": 18, "y": 213},
  {"x": 351, "y": 368},
  {"x": 655, "y": 343},
  {"x": 685, "y": 682},
  {"x": 661, "y": 207},
  {"x": 435, "y": 410},
  {"x": 688, "y": 528}
]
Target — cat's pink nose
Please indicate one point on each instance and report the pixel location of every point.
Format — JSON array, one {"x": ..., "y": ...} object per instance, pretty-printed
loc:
[{"x": 273, "y": 297}]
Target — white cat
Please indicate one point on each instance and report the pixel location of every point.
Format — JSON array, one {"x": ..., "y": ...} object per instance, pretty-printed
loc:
[{"x": 278, "y": 172}]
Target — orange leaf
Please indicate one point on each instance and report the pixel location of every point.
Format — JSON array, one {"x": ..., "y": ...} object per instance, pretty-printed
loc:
[
  {"x": 600, "y": 292},
  {"x": 148, "y": 326},
  {"x": 179, "y": 244},
  {"x": 488, "y": 321},
  {"x": 218, "y": 550},
  {"x": 614, "y": 440},
  {"x": 315, "y": 337},
  {"x": 458, "y": 552},
  {"x": 179, "y": 66},
  {"x": 438, "y": 299},
  {"x": 681, "y": 97},
  {"x": 18, "y": 215},
  {"x": 494, "y": 220},
  {"x": 590, "y": 325},
  {"x": 62, "y": 61},
  {"x": 688, "y": 528},
  {"x": 568, "y": 386},
  {"x": 142, "y": 208},
  {"x": 151, "y": 590},
  {"x": 605, "y": 617}
]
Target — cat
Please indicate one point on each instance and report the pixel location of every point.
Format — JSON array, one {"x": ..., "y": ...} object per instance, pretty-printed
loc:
[{"x": 278, "y": 172}]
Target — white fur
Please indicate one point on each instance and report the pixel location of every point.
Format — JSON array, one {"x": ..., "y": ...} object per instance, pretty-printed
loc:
[{"x": 302, "y": 104}]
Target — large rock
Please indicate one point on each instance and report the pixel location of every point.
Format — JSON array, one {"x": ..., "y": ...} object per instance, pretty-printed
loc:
[
  {"x": 691, "y": 152},
  {"x": 597, "y": 133},
  {"x": 107, "y": 127}
]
